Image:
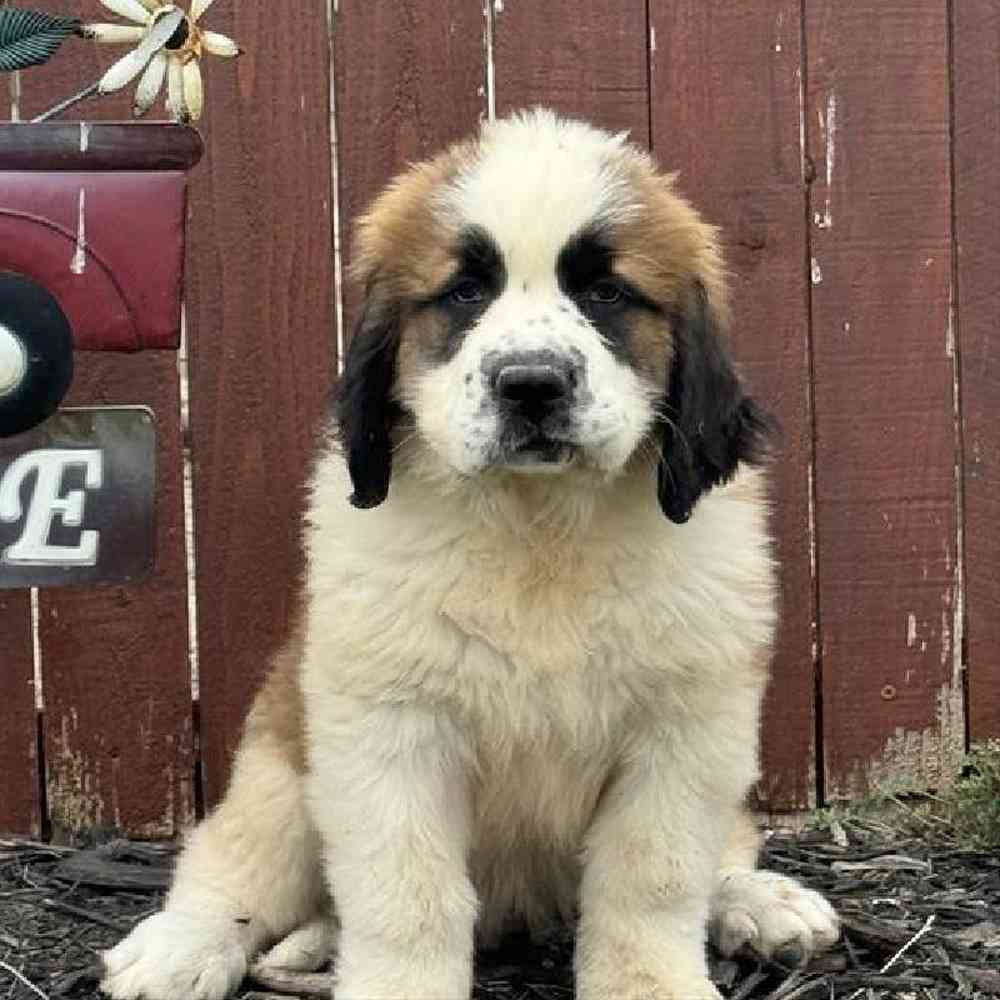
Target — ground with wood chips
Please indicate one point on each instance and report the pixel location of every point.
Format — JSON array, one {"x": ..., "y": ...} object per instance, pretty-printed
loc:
[{"x": 921, "y": 920}]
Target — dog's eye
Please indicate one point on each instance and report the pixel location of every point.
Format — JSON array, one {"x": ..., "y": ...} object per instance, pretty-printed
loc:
[
  {"x": 605, "y": 293},
  {"x": 468, "y": 292}
]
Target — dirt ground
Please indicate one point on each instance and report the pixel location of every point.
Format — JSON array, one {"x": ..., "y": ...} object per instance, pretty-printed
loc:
[{"x": 921, "y": 922}]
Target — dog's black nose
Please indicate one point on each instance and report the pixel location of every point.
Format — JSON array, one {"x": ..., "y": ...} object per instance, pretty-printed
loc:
[{"x": 533, "y": 389}]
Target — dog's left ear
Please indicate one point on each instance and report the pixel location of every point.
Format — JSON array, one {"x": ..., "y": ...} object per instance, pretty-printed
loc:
[
  {"x": 365, "y": 408},
  {"x": 709, "y": 424}
]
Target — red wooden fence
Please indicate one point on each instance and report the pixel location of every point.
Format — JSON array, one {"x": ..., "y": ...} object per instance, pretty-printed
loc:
[{"x": 852, "y": 154}]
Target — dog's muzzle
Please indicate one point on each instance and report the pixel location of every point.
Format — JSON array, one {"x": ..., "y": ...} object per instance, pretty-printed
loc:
[{"x": 534, "y": 392}]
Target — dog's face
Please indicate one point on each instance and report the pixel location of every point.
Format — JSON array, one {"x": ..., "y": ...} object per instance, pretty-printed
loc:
[{"x": 540, "y": 299}]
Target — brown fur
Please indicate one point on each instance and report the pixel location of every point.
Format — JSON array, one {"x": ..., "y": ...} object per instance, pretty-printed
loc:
[{"x": 277, "y": 712}]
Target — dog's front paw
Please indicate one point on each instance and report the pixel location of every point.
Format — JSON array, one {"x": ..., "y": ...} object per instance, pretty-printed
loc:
[
  {"x": 306, "y": 949},
  {"x": 628, "y": 984},
  {"x": 176, "y": 956},
  {"x": 773, "y": 915}
]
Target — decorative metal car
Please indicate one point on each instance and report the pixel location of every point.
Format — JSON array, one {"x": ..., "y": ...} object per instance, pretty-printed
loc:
[{"x": 77, "y": 485}]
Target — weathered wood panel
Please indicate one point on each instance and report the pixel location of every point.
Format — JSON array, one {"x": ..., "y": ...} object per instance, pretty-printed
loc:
[
  {"x": 20, "y": 810},
  {"x": 116, "y": 678},
  {"x": 976, "y": 79},
  {"x": 260, "y": 321},
  {"x": 583, "y": 60},
  {"x": 407, "y": 85},
  {"x": 739, "y": 156},
  {"x": 877, "y": 118},
  {"x": 119, "y": 747}
]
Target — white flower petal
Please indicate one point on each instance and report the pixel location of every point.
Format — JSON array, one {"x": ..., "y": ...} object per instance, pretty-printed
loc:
[
  {"x": 151, "y": 5},
  {"x": 114, "y": 34},
  {"x": 124, "y": 71},
  {"x": 220, "y": 45},
  {"x": 194, "y": 93},
  {"x": 175, "y": 88},
  {"x": 131, "y": 10},
  {"x": 129, "y": 67},
  {"x": 198, "y": 7},
  {"x": 150, "y": 85}
]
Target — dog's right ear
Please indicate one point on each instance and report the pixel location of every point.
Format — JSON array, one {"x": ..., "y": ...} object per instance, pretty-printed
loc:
[{"x": 365, "y": 408}]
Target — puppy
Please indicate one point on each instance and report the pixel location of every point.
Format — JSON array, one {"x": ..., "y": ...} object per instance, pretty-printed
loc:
[{"x": 540, "y": 603}]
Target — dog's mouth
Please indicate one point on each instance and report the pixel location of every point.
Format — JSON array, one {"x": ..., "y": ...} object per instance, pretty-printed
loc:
[{"x": 536, "y": 453}]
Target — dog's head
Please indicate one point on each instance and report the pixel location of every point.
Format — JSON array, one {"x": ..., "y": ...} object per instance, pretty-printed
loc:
[{"x": 539, "y": 299}]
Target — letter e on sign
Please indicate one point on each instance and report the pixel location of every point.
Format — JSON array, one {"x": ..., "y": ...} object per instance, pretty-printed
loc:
[
  {"x": 47, "y": 503},
  {"x": 77, "y": 499}
]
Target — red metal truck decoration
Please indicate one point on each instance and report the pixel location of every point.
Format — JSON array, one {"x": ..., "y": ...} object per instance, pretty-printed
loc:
[{"x": 77, "y": 485}]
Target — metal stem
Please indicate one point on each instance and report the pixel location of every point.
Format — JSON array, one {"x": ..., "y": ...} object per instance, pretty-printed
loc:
[{"x": 67, "y": 104}]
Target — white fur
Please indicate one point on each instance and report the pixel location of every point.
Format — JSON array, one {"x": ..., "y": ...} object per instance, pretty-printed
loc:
[
  {"x": 772, "y": 915},
  {"x": 306, "y": 949},
  {"x": 524, "y": 695},
  {"x": 537, "y": 159}
]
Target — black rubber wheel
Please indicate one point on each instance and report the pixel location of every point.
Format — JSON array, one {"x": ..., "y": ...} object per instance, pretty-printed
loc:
[{"x": 31, "y": 317}]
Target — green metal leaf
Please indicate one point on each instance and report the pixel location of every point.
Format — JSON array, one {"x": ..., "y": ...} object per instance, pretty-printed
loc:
[{"x": 30, "y": 37}]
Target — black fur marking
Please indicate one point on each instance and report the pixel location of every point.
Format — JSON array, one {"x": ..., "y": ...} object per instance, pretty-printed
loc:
[
  {"x": 709, "y": 425},
  {"x": 479, "y": 277},
  {"x": 586, "y": 258},
  {"x": 585, "y": 270},
  {"x": 365, "y": 409}
]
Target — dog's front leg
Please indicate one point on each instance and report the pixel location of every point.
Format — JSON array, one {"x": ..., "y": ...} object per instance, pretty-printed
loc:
[
  {"x": 390, "y": 797},
  {"x": 650, "y": 858}
]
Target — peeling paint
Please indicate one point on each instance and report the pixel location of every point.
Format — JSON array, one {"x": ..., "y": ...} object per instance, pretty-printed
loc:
[
  {"x": 918, "y": 761},
  {"x": 813, "y": 566},
  {"x": 828, "y": 126},
  {"x": 847, "y": 327},
  {"x": 815, "y": 272},
  {"x": 15, "y": 96},
  {"x": 36, "y": 649},
  {"x": 490, "y": 12},
  {"x": 79, "y": 262},
  {"x": 802, "y": 125},
  {"x": 652, "y": 39},
  {"x": 911, "y": 630},
  {"x": 75, "y": 803},
  {"x": 84, "y": 137},
  {"x": 945, "y": 632}
]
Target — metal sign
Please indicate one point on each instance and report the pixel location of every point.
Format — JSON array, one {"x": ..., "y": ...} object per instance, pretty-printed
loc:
[{"x": 77, "y": 499}]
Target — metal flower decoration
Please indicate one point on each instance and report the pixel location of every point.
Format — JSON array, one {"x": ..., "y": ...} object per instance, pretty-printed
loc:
[{"x": 169, "y": 45}]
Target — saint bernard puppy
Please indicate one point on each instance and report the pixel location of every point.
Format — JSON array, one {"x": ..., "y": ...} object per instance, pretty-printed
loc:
[{"x": 540, "y": 602}]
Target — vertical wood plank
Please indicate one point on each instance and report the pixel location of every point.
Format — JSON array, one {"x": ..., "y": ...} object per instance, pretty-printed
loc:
[
  {"x": 738, "y": 152},
  {"x": 878, "y": 119},
  {"x": 976, "y": 80},
  {"x": 407, "y": 85},
  {"x": 116, "y": 675},
  {"x": 20, "y": 810},
  {"x": 582, "y": 60},
  {"x": 260, "y": 320},
  {"x": 118, "y": 719}
]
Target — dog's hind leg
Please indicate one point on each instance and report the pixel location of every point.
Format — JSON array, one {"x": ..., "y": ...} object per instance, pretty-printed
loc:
[
  {"x": 248, "y": 875},
  {"x": 772, "y": 914}
]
